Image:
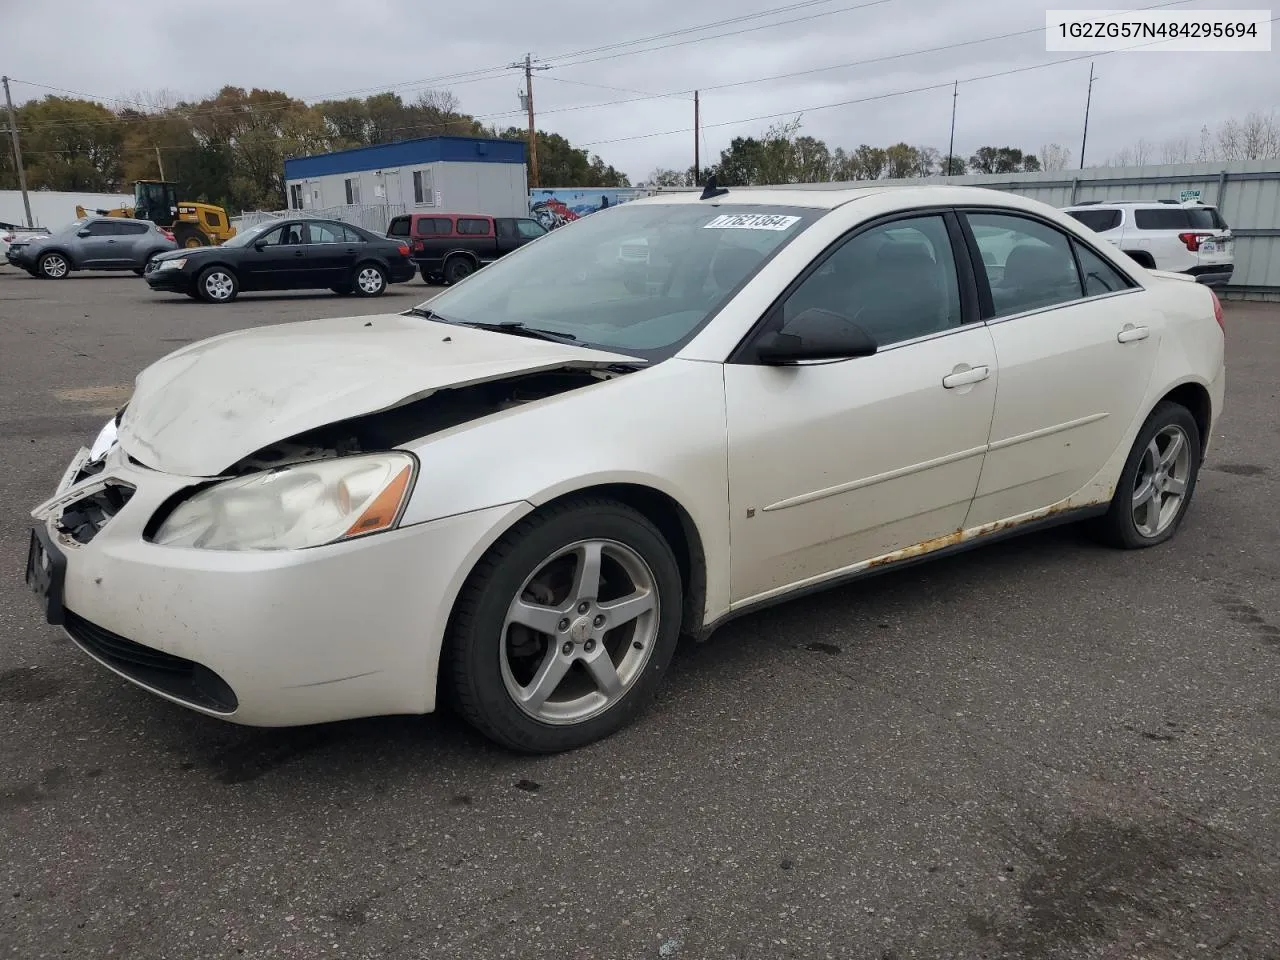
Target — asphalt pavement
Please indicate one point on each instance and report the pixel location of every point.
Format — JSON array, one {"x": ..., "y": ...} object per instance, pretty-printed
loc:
[{"x": 1043, "y": 748}]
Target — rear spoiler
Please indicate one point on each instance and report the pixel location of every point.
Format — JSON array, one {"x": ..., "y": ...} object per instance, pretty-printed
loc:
[{"x": 1168, "y": 275}]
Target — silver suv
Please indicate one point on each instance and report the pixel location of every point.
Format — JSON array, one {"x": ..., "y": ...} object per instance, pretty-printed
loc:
[
  {"x": 1190, "y": 237},
  {"x": 92, "y": 243}
]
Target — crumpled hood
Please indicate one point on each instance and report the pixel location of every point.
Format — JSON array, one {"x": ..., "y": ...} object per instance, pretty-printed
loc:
[{"x": 204, "y": 407}]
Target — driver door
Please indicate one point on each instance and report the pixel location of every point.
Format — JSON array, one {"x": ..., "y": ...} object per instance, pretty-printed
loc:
[
  {"x": 277, "y": 260},
  {"x": 832, "y": 464}
]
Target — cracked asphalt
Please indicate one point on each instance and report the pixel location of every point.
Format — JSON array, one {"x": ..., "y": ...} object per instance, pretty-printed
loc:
[{"x": 1040, "y": 749}]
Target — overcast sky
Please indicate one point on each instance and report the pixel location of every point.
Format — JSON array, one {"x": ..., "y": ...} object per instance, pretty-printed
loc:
[{"x": 333, "y": 48}]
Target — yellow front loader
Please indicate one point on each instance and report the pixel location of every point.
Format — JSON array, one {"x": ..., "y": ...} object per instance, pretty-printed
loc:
[{"x": 193, "y": 224}]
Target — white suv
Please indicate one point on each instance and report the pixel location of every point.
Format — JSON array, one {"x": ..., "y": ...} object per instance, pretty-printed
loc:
[{"x": 1190, "y": 238}]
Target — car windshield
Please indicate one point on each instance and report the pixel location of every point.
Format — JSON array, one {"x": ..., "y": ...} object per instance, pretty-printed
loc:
[
  {"x": 639, "y": 278},
  {"x": 245, "y": 237}
]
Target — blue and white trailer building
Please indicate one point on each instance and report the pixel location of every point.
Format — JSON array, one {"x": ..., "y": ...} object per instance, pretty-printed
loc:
[{"x": 448, "y": 174}]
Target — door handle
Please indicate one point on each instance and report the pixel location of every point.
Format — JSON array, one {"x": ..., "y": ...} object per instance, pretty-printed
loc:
[
  {"x": 297, "y": 253},
  {"x": 963, "y": 377},
  {"x": 1131, "y": 333}
]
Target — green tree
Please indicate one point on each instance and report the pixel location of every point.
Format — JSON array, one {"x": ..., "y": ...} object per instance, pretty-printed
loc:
[{"x": 71, "y": 144}]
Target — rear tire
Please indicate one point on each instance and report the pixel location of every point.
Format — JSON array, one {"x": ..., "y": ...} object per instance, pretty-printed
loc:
[
  {"x": 1157, "y": 482},
  {"x": 492, "y": 662},
  {"x": 217, "y": 285},
  {"x": 458, "y": 268},
  {"x": 369, "y": 280}
]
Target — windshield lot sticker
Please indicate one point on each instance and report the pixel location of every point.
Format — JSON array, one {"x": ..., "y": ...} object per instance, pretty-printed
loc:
[{"x": 750, "y": 221}]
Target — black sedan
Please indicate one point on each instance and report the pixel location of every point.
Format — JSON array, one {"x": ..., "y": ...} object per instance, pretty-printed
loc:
[{"x": 303, "y": 254}]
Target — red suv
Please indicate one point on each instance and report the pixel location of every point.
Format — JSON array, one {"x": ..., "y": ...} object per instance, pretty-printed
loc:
[{"x": 451, "y": 246}]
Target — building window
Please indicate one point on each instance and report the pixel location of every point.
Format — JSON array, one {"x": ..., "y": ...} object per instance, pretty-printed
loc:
[
  {"x": 295, "y": 196},
  {"x": 422, "y": 188},
  {"x": 353, "y": 191}
]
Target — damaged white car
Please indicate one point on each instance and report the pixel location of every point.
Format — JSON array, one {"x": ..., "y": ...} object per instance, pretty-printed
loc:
[{"x": 518, "y": 496}]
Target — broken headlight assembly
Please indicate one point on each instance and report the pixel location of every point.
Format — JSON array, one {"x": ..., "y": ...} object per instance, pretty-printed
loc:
[{"x": 294, "y": 507}]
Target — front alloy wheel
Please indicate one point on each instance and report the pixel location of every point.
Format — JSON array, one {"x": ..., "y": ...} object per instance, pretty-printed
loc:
[
  {"x": 54, "y": 266},
  {"x": 564, "y": 629},
  {"x": 217, "y": 285}
]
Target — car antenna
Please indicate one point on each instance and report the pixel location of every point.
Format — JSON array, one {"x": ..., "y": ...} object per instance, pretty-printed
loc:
[{"x": 711, "y": 190}]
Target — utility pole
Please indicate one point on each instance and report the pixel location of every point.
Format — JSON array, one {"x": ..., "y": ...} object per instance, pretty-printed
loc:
[
  {"x": 1088, "y": 98},
  {"x": 159, "y": 161},
  {"x": 17, "y": 152},
  {"x": 951, "y": 144},
  {"x": 526, "y": 101},
  {"x": 697, "y": 160}
]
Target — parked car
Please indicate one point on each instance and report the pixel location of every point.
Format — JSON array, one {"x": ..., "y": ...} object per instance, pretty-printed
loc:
[
  {"x": 1190, "y": 238},
  {"x": 92, "y": 243},
  {"x": 522, "y": 492},
  {"x": 451, "y": 246},
  {"x": 305, "y": 254},
  {"x": 11, "y": 233}
]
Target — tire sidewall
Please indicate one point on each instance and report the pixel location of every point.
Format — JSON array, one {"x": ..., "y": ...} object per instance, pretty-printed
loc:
[
  {"x": 1121, "y": 514},
  {"x": 204, "y": 293},
  {"x": 355, "y": 280},
  {"x": 458, "y": 269},
  {"x": 475, "y": 646},
  {"x": 44, "y": 260}
]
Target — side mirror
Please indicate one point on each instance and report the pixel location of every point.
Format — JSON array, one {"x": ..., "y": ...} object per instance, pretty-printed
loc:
[
  {"x": 815, "y": 334},
  {"x": 260, "y": 245},
  {"x": 82, "y": 232}
]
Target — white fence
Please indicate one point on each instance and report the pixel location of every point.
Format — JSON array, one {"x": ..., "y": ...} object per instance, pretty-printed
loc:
[{"x": 372, "y": 216}]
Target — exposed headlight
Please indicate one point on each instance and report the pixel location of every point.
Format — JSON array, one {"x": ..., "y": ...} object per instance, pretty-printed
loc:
[
  {"x": 172, "y": 264},
  {"x": 105, "y": 440},
  {"x": 305, "y": 505}
]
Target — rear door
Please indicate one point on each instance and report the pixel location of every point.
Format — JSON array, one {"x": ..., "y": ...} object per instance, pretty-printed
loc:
[
  {"x": 1076, "y": 355},
  {"x": 330, "y": 258},
  {"x": 132, "y": 245}
]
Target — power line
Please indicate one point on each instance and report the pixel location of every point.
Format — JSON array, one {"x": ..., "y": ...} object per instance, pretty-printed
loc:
[
  {"x": 494, "y": 72},
  {"x": 881, "y": 96}
]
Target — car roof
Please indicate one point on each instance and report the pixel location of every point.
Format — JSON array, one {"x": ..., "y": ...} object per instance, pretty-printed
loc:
[
  {"x": 828, "y": 197},
  {"x": 1153, "y": 204}
]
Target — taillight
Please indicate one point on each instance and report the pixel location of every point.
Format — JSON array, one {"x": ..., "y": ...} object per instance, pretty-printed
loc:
[
  {"x": 404, "y": 249},
  {"x": 1193, "y": 240},
  {"x": 1217, "y": 312},
  {"x": 7, "y": 238},
  {"x": 419, "y": 246}
]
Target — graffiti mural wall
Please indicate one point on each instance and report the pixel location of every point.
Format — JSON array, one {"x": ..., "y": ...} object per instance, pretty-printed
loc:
[{"x": 555, "y": 206}]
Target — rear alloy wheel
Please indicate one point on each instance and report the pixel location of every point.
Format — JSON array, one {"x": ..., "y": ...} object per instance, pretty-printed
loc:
[
  {"x": 562, "y": 633},
  {"x": 370, "y": 280},
  {"x": 54, "y": 266},
  {"x": 1157, "y": 483},
  {"x": 217, "y": 285}
]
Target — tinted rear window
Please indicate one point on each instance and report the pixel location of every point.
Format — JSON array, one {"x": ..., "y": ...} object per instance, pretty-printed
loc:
[
  {"x": 399, "y": 227},
  {"x": 1098, "y": 220},
  {"x": 434, "y": 226},
  {"x": 473, "y": 227},
  {"x": 1179, "y": 218}
]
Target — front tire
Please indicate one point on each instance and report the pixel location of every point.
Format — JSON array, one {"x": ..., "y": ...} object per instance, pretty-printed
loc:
[
  {"x": 1157, "y": 482},
  {"x": 217, "y": 285},
  {"x": 369, "y": 280},
  {"x": 561, "y": 634},
  {"x": 53, "y": 266}
]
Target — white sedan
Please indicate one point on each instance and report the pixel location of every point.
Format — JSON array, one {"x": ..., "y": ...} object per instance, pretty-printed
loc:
[{"x": 516, "y": 497}]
